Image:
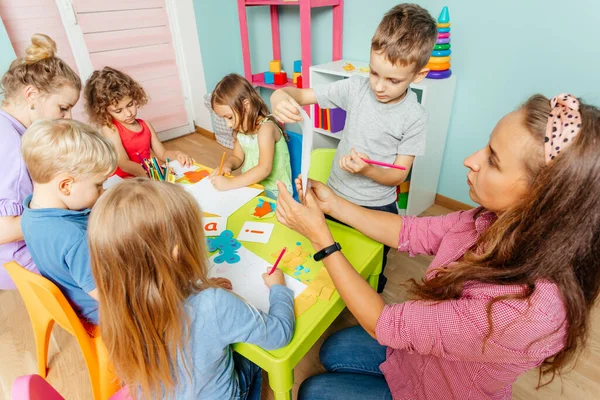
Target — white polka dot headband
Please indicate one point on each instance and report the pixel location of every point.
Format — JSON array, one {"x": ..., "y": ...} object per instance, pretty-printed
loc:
[{"x": 564, "y": 123}]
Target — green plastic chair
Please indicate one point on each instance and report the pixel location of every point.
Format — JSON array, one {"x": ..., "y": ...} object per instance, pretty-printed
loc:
[{"x": 321, "y": 161}]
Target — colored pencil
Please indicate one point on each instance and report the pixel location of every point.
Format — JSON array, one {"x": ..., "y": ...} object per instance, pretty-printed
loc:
[
  {"x": 278, "y": 259},
  {"x": 142, "y": 162},
  {"x": 157, "y": 167},
  {"x": 167, "y": 170},
  {"x": 222, "y": 162},
  {"x": 382, "y": 164}
]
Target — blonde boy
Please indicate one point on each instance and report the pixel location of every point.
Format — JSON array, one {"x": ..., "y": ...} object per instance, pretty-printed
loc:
[
  {"x": 384, "y": 122},
  {"x": 68, "y": 162}
]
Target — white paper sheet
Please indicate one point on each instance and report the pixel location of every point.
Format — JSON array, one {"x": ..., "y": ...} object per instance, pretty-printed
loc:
[
  {"x": 307, "y": 144},
  {"x": 112, "y": 181},
  {"x": 179, "y": 169},
  {"x": 214, "y": 226},
  {"x": 258, "y": 232},
  {"x": 220, "y": 203},
  {"x": 246, "y": 278}
]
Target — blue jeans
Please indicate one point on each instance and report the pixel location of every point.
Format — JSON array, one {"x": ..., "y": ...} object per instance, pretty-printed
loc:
[
  {"x": 351, "y": 358},
  {"x": 249, "y": 377}
]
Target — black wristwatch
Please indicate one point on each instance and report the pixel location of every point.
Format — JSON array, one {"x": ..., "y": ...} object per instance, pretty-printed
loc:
[{"x": 321, "y": 254}]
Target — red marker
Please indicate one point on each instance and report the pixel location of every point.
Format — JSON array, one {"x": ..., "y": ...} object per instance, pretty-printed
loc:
[
  {"x": 382, "y": 164},
  {"x": 278, "y": 259}
]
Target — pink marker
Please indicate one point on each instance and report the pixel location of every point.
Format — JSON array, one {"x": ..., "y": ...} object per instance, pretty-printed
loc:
[
  {"x": 382, "y": 164},
  {"x": 278, "y": 259}
]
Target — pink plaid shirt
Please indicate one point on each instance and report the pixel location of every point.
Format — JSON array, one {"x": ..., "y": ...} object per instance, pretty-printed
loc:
[{"x": 435, "y": 351}]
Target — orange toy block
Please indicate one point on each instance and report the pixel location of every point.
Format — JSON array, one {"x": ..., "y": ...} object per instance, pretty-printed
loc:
[
  {"x": 275, "y": 66},
  {"x": 195, "y": 176}
]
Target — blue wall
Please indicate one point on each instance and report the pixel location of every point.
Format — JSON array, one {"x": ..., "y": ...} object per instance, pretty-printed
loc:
[{"x": 502, "y": 52}]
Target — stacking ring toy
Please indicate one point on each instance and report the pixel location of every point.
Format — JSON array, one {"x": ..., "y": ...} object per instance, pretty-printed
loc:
[
  {"x": 445, "y": 25},
  {"x": 443, "y": 35},
  {"x": 442, "y": 46},
  {"x": 438, "y": 67},
  {"x": 439, "y": 74},
  {"x": 443, "y": 30},
  {"x": 443, "y": 41},
  {"x": 441, "y": 53},
  {"x": 438, "y": 60}
]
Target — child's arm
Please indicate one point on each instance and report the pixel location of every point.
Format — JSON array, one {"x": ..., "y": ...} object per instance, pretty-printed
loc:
[
  {"x": 354, "y": 164},
  {"x": 285, "y": 103},
  {"x": 125, "y": 163},
  {"x": 10, "y": 229},
  {"x": 163, "y": 154},
  {"x": 266, "y": 147},
  {"x": 235, "y": 161},
  {"x": 237, "y": 322}
]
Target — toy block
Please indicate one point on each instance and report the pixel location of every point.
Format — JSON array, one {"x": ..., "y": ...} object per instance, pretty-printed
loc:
[
  {"x": 298, "y": 66},
  {"x": 275, "y": 66},
  {"x": 405, "y": 187},
  {"x": 296, "y": 75},
  {"x": 281, "y": 78},
  {"x": 402, "y": 201},
  {"x": 299, "y": 82},
  {"x": 269, "y": 77}
]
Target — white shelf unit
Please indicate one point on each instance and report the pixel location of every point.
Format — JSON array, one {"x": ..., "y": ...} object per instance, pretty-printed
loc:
[{"x": 436, "y": 96}]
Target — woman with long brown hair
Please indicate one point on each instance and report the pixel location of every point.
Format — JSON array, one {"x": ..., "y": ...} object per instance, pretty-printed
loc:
[
  {"x": 167, "y": 327},
  {"x": 512, "y": 282}
]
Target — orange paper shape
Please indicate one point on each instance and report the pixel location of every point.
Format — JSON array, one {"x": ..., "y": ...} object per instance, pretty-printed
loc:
[
  {"x": 263, "y": 210},
  {"x": 196, "y": 176}
]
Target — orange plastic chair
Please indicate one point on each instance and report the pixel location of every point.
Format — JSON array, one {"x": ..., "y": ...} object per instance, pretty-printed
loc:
[{"x": 46, "y": 305}]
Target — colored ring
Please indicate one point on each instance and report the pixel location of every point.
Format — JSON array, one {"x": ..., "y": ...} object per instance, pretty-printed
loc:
[
  {"x": 443, "y": 30},
  {"x": 443, "y": 35},
  {"x": 445, "y": 25},
  {"x": 443, "y": 41},
  {"x": 438, "y": 67},
  {"x": 442, "y": 53},
  {"x": 439, "y": 60},
  {"x": 439, "y": 74},
  {"x": 442, "y": 46}
]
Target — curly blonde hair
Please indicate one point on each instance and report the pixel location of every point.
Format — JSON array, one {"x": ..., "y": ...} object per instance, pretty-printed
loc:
[
  {"x": 107, "y": 87},
  {"x": 39, "y": 68}
]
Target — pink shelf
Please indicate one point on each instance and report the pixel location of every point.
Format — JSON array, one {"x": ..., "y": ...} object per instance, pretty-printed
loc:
[
  {"x": 313, "y": 3},
  {"x": 258, "y": 80}
]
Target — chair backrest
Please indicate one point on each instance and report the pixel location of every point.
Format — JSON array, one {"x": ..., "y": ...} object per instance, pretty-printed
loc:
[
  {"x": 42, "y": 296},
  {"x": 295, "y": 149},
  {"x": 321, "y": 161},
  {"x": 33, "y": 387}
]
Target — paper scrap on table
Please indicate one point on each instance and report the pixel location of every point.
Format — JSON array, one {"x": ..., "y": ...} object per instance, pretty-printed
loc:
[
  {"x": 217, "y": 202},
  {"x": 246, "y": 278},
  {"x": 112, "y": 181},
  {"x": 258, "y": 232},
  {"x": 214, "y": 226},
  {"x": 179, "y": 169},
  {"x": 307, "y": 144},
  {"x": 320, "y": 287}
]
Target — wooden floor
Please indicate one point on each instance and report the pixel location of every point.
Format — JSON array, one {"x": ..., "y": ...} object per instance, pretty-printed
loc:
[{"x": 67, "y": 372}]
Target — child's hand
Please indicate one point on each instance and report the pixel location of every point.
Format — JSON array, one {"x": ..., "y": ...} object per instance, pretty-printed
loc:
[
  {"x": 184, "y": 159},
  {"x": 222, "y": 283},
  {"x": 284, "y": 107},
  {"x": 324, "y": 196},
  {"x": 221, "y": 183},
  {"x": 354, "y": 164},
  {"x": 276, "y": 278}
]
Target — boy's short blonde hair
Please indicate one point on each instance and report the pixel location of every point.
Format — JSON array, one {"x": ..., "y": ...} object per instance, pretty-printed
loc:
[
  {"x": 66, "y": 146},
  {"x": 406, "y": 35}
]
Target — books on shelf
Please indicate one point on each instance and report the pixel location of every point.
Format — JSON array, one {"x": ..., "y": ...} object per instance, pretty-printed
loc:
[{"x": 329, "y": 119}]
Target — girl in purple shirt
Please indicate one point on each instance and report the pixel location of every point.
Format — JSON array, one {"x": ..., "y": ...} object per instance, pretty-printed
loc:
[{"x": 37, "y": 86}]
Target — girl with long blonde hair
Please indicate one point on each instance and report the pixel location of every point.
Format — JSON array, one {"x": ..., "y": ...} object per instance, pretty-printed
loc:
[{"x": 167, "y": 326}]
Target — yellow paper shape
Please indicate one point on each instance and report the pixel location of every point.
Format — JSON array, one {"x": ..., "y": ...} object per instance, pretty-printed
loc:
[{"x": 303, "y": 303}]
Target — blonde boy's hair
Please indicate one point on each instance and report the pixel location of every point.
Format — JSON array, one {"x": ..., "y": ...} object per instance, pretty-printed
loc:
[
  {"x": 66, "y": 146},
  {"x": 406, "y": 35}
]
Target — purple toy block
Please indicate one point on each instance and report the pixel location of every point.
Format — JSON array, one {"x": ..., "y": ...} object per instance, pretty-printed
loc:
[
  {"x": 269, "y": 77},
  {"x": 338, "y": 119}
]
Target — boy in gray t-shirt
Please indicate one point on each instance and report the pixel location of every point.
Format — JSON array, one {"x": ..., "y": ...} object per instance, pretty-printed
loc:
[{"x": 384, "y": 121}]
